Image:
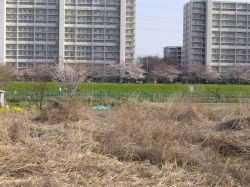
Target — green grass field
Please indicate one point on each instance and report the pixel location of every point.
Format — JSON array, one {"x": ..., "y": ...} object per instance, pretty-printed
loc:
[{"x": 110, "y": 87}]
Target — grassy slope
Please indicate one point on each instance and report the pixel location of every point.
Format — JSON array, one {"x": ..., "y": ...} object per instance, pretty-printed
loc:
[{"x": 17, "y": 86}]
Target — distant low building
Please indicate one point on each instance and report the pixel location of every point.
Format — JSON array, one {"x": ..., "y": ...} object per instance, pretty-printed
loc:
[{"x": 173, "y": 53}]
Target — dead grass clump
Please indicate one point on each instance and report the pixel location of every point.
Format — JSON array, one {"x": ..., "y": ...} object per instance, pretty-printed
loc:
[
  {"x": 176, "y": 109},
  {"x": 225, "y": 112},
  {"x": 240, "y": 123},
  {"x": 137, "y": 135},
  {"x": 57, "y": 112},
  {"x": 226, "y": 146},
  {"x": 17, "y": 132},
  {"x": 184, "y": 110},
  {"x": 122, "y": 146},
  {"x": 188, "y": 114}
]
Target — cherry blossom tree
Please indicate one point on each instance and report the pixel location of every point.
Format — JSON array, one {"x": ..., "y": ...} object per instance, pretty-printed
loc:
[
  {"x": 71, "y": 77},
  {"x": 236, "y": 74},
  {"x": 6, "y": 73},
  {"x": 165, "y": 70},
  {"x": 127, "y": 72},
  {"x": 198, "y": 73}
]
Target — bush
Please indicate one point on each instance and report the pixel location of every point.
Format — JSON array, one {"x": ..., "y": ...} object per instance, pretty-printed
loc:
[{"x": 57, "y": 112}]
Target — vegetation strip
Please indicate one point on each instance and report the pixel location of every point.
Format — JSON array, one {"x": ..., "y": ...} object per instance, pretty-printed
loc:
[{"x": 116, "y": 87}]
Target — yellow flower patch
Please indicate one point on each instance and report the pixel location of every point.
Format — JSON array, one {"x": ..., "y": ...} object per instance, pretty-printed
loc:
[{"x": 13, "y": 109}]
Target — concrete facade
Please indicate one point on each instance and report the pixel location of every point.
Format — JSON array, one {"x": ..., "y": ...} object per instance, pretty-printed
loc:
[
  {"x": 77, "y": 31},
  {"x": 173, "y": 53},
  {"x": 216, "y": 33}
]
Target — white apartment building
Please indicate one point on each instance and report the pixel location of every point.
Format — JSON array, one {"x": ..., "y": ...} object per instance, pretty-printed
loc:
[
  {"x": 216, "y": 33},
  {"x": 29, "y": 32},
  {"x": 77, "y": 31}
]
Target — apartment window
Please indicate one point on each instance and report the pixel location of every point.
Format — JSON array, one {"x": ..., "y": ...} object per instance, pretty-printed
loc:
[
  {"x": 215, "y": 68},
  {"x": 215, "y": 57},
  {"x": 228, "y": 5},
  {"x": 242, "y": 24},
  {"x": 241, "y": 17},
  {"x": 241, "y": 51},
  {"x": 227, "y": 57},
  {"x": 215, "y": 51},
  {"x": 216, "y": 6},
  {"x": 228, "y": 34},
  {"x": 242, "y": 7},
  {"x": 241, "y": 58},
  {"x": 216, "y": 24},
  {"x": 241, "y": 42},
  {"x": 228, "y": 17},
  {"x": 227, "y": 40},
  {"x": 215, "y": 33},
  {"x": 228, "y": 51},
  {"x": 216, "y": 16},
  {"x": 215, "y": 40}
]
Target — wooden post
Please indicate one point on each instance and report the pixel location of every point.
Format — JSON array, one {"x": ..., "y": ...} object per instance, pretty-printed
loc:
[{"x": 2, "y": 98}]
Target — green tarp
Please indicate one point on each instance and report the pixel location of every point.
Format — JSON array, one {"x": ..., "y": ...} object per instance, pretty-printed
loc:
[{"x": 101, "y": 108}]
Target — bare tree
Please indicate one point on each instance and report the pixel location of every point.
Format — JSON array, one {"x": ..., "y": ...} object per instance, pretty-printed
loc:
[
  {"x": 149, "y": 59},
  {"x": 149, "y": 62},
  {"x": 41, "y": 74},
  {"x": 71, "y": 78}
]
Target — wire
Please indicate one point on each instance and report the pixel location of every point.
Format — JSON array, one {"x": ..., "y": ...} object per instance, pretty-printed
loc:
[
  {"x": 159, "y": 6},
  {"x": 159, "y": 30},
  {"x": 155, "y": 20},
  {"x": 158, "y": 17}
]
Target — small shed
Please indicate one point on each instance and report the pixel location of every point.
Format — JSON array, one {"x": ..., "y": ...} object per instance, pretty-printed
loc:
[{"x": 2, "y": 98}]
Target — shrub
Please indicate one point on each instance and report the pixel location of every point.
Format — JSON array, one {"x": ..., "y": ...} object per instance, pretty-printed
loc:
[{"x": 57, "y": 112}]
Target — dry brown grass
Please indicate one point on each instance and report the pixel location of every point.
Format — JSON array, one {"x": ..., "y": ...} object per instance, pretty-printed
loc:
[
  {"x": 56, "y": 112},
  {"x": 178, "y": 143}
]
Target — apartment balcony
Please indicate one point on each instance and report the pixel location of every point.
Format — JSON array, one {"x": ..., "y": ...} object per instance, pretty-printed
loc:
[
  {"x": 226, "y": 57},
  {"x": 32, "y": 6}
]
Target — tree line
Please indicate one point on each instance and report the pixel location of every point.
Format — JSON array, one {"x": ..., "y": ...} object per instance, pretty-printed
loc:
[
  {"x": 166, "y": 71},
  {"x": 147, "y": 70}
]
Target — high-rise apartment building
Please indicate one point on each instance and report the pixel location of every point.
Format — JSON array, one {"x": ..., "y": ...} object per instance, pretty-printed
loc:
[
  {"x": 78, "y": 31},
  {"x": 216, "y": 33},
  {"x": 173, "y": 53},
  {"x": 29, "y": 32}
]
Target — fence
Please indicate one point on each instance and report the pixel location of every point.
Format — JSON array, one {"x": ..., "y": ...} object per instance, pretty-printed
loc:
[{"x": 104, "y": 97}]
